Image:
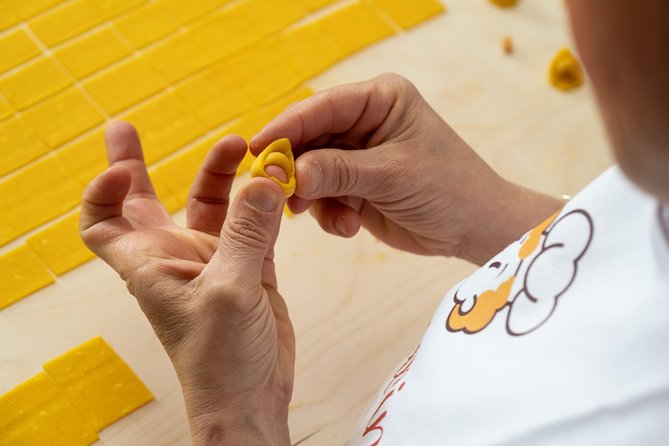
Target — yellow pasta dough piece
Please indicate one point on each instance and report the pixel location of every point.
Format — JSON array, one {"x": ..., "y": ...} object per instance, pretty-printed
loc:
[
  {"x": 188, "y": 11},
  {"x": 98, "y": 382},
  {"x": 90, "y": 53},
  {"x": 62, "y": 117},
  {"x": 280, "y": 154},
  {"x": 20, "y": 145},
  {"x": 213, "y": 96},
  {"x": 33, "y": 82},
  {"x": 407, "y": 13},
  {"x": 565, "y": 72},
  {"x": 60, "y": 246},
  {"x": 5, "y": 109},
  {"x": 25, "y": 10},
  {"x": 7, "y": 231},
  {"x": 177, "y": 57},
  {"x": 16, "y": 47},
  {"x": 229, "y": 28},
  {"x": 66, "y": 21},
  {"x": 307, "y": 50},
  {"x": 146, "y": 24},
  {"x": 354, "y": 26},
  {"x": 313, "y": 5},
  {"x": 269, "y": 16},
  {"x": 124, "y": 85},
  {"x": 505, "y": 3},
  {"x": 21, "y": 273},
  {"x": 37, "y": 413},
  {"x": 262, "y": 73},
  {"x": 86, "y": 157},
  {"x": 164, "y": 125},
  {"x": 38, "y": 193}
]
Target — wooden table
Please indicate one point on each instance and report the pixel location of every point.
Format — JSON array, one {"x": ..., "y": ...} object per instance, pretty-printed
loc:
[{"x": 358, "y": 306}]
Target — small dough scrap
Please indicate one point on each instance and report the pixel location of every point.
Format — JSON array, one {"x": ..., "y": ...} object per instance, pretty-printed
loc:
[
  {"x": 38, "y": 413},
  {"x": 279, "y": 154},
  {"x": 505, "y": 3},
  {"x": 565, "y": 71},
  {"x": 98, "y": 382}
]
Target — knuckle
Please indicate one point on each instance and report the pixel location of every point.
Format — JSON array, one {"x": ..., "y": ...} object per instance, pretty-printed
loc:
[
  {"x": 345, "y": 174},
  {"x": 248, "y": 231}
]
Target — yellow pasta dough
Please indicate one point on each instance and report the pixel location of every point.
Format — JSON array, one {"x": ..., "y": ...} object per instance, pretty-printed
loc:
[
  {"x": 565, "y": 72},
  {"x": 98, "y": 382},
  {"x": 279, "y": 154},
  {"x": 38, "y": 413},
  {"x": 505, "y": 3}
]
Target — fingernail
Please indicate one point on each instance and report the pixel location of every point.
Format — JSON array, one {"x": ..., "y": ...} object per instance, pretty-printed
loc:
[
  {"x": 315, "y": 177},
  {"x": 262, "y": 198},
  {"x": 340, "y": 225}
]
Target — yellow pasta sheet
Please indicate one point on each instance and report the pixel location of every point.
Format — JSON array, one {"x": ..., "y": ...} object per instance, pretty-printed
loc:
[
  {"x": 98, "y": 382},
  {"x": 60, "y": 246},
  {"x": 21, "y": 273},
  {"x": 38, "y": 413}
]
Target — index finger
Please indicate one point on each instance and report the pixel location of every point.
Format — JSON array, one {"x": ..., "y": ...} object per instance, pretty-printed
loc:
[{"x": 353, "y": 112}]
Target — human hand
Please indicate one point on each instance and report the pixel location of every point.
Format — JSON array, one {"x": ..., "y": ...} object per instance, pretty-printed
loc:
[
  {"x": 400, "y": 171},
  {"x": 209, "y": 290}
]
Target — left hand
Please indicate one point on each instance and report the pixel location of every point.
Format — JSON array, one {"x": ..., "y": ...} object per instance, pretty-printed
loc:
[{"x": 209, "y": 290}]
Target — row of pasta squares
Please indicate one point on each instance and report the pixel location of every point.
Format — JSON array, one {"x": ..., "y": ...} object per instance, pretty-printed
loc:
[
  {"x": 76, "y": 396},
  {"x": 47, "y": 190},
  {"x": 53, "y": 112},
  {"x": 167, "y": 122},
  {"x": 287, "y": 58}
]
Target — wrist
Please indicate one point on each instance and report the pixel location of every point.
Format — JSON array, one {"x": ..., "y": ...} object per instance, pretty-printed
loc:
[
  {"x": 509, "y": 211},
  {"x": 239, "y": 428}
]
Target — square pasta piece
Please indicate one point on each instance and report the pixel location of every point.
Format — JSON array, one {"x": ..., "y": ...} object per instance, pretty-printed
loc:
[
  {"x": 33, "y": 82},
  {"x": 66, "y": 21},
  {"x": 7, "y": 231},
  {"x": 20, "y": 145},
  {"x": 270, "y": 16},
  {"x": 38, "y": 413},
  {"x": 262, "y": 73},
  {"x": 38, "y": 193},
  {"x": 187, "y": 11},
  {"x": 90, "y": 53},
  {"x": 355, "y": 26},
  {"x": 16, "y": 47},
  {"x": 21, "y": 274},
  {"x": 86, "y": 157},
  {"x": 229, "y": 28},
  {"x": 177, "y": 57},
  {"x": 123, "y": 85},
  {"x": 164, "y": 125},
  {"x": 98, "y": 382},
  {"x": 62, "y": 117},
  {"x": 213, "y": 97},
  {"x": 60, "y": 246},
  {"x": 146, "y": 25},
  {"x": 408, "y": 13}
]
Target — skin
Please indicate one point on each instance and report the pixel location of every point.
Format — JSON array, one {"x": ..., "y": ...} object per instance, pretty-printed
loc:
[
  {"x": 625, "y": 51},
  {"x": 372, "y": 155}
]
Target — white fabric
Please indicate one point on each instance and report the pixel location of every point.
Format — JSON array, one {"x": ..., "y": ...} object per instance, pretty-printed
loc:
[{"x": 571, "y": 346}]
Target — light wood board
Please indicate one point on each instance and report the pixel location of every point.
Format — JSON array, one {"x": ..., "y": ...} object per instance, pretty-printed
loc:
[{"x": 358, "y": 306}]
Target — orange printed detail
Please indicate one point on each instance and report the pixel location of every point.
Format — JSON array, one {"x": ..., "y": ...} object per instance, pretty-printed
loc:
[
  {"x": 484, "y": 309},
  {"x": 534, "y": 238}
]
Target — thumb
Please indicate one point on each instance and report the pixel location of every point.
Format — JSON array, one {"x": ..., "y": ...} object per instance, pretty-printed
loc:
[
  {"x": 326, "y": 173},
  {"x": 248, "y": 234}
]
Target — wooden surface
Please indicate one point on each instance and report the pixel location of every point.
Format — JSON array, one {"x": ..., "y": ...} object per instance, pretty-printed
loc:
[{"x": 358, "y": 306}]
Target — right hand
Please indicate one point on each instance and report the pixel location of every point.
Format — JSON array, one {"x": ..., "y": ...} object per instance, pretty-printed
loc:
[{"x": 400, "y": 171}]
